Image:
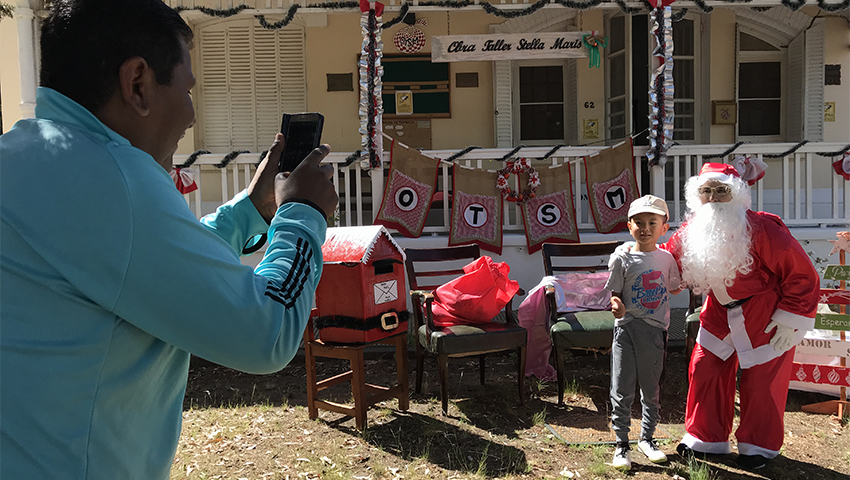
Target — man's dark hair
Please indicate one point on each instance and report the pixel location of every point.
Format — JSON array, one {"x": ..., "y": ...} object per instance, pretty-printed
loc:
[{"x": 84, "y": 43}]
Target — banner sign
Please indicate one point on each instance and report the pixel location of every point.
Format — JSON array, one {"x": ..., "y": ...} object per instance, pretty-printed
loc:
[
  {"x": 832, "y": 321},
  {"x": 821, "y": 374},
  {"x": 837, "y": 272},
  {"x": 823, "y": 346},
  {"x": 513, "y": 46},
  {"x": 834, "y": 296}
]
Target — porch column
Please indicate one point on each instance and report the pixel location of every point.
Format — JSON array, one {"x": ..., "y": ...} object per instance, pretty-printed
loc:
[
  {"x": 656, "y": 181},
  {"x": 25, "y": 20}
]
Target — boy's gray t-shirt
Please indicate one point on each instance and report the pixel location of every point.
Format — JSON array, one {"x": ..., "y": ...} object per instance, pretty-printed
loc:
[{"x": 643, "y": 279}]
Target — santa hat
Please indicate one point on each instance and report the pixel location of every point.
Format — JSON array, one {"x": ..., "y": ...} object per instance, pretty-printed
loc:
[
  {"x": 717, "y": 171},
  {"x": 748, "y": 169}
]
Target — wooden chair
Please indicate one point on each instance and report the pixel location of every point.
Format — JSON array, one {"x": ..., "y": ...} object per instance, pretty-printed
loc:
[
  {"x": 429, "y": 268},
  {"x": 587, "y": 330},
  {"x": 364, "y": 394}
]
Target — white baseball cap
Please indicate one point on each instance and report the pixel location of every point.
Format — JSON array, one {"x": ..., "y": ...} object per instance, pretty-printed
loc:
[{"x": 649, "y": 204}]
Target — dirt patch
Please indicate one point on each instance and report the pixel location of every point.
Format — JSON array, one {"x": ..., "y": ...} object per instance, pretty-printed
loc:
[{"x": 256, "y": 427}]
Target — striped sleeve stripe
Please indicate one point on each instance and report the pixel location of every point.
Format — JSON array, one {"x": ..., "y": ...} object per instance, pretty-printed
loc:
[{"x": 293, "y": 285}]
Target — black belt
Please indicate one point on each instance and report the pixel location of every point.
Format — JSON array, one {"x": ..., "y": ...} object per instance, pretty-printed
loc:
[{"x": 737, "y": 303}]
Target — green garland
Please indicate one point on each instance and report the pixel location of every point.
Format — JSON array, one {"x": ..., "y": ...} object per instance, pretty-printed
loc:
[
  {"x": 213, "y": 12},
  {"x": 514, "y": 13},
  {"x": 280, "y": 24},
  {"x": 834, "y": 7},
  {"x": 786, "y": 152},
  {"x": 192, "y": 158},
  {"x": 6, "y": 10},
  {"x": 461, "y": 153},
  {"x": 229, "y": 158},
  {"x": 721, "y": 155},
  {"x": 794, "y": 5},
  {"x": 512, "y": 152}
]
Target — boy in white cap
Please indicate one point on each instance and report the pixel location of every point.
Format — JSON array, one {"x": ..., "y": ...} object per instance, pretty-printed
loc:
[{"x": 639, "y": 282}]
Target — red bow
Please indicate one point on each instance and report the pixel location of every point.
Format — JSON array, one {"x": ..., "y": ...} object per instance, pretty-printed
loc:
[
  {"x": 379, "y": 7},
  {"x": 842, "y": 166},
  {"x": 661, "y": 3},
  {"x": 184, "y": 180}
]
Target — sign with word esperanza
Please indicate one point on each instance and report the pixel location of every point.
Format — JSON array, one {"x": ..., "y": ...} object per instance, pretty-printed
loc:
[
  {"x": 466, "y": 48},
  {"x": 832, "y": 321}
]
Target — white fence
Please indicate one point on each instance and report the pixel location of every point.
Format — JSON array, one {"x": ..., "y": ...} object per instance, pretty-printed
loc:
[{"x": 800, "y": 187}]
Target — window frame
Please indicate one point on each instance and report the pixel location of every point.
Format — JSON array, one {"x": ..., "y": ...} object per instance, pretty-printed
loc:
[{"x": 780, "y": 55}]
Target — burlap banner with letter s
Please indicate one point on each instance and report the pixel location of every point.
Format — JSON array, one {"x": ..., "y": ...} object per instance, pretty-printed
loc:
[{"x": 550, "y": 216}]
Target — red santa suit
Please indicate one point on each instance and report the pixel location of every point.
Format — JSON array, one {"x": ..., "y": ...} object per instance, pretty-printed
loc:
[{"x": 782, "y": 286}]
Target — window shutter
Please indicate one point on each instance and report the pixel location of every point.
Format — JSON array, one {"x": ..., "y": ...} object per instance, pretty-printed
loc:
[
  {"x": 242, "y": 100},
  {"x": 503, "y": 103},
  {"x": 571, "y": 102},
  {"x": 249, "y": 77},
  {"x": 814, "y": 58},
  {"x": 796, "y": 89},
  {"x": 214, "y": 102}
]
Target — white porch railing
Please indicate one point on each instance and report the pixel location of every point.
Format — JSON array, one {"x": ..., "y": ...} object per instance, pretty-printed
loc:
[{"x": 800, "y": 187}]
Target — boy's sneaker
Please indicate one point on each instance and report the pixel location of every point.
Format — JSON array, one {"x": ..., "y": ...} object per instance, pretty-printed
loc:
[
  {"x": 621, "y": 457},
  {"x": 652, "y": 452}
]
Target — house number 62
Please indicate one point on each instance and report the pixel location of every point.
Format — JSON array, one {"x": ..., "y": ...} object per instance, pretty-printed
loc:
[{"x": 588, "y": 105}]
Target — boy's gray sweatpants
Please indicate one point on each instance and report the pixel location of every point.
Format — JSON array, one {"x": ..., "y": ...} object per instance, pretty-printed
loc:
[{"x": 637, "y": 356}]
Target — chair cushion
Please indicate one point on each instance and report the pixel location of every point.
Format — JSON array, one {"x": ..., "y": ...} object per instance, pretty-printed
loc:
[
  {"x": 589, "y": 329},
  {"x": 474, "y": 339}
]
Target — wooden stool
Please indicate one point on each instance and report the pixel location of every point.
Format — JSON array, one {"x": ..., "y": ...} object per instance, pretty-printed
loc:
[{"x": 365, "y": 394}]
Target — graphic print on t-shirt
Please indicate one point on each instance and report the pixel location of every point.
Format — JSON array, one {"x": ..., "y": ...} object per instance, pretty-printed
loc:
[{"x": 648, "y": 291}]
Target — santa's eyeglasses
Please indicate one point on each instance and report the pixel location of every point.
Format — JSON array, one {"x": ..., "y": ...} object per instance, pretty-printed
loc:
[{"x": 719, "y": 191}]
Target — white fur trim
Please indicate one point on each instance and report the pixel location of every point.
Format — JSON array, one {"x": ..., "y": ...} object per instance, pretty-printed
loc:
[
  {"x": 757, "y": 356},
  {"x": 720, "y": 177},
  {"x": 722, "y": 348},
  {"x": 750, "y": 449},
  {"x": 792, "y": 320},
  {"x": 715, "y": 448},
  {"x": 738, "y": 331},
  {"x": 721, "y": 295}
]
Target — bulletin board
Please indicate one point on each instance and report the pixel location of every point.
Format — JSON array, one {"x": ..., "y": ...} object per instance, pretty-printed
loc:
[{"x": 419, "y": 88}]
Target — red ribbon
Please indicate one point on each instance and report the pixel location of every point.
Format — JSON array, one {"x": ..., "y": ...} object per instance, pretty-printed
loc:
[
  {"x": 379, "y": 7},
  {"x": 662, "y": 3},
  {"x": 184, "y": 180},
  {"x": 842, "y": 166}
]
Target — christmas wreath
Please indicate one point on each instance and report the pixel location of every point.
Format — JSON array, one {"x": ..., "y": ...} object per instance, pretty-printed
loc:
[{"x": 523, "y": 165}]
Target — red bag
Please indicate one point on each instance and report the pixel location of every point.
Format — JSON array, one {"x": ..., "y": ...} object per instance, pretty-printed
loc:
[{"x": 476, "y": 296}]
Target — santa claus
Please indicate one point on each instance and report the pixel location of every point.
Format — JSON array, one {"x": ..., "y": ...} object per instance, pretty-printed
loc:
[{"x": 761, "y": 295}]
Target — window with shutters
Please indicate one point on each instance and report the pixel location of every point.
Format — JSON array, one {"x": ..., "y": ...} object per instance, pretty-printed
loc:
[{"x": 248, "y": 77}]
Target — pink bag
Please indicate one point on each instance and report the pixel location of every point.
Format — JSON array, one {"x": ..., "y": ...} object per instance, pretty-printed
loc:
[
  {"x": 582, "y": 291},
  {"x": 476, "y": 296}
]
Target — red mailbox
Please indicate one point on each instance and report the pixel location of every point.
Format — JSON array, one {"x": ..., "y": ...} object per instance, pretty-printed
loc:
[{"x": 360, "y": 297}]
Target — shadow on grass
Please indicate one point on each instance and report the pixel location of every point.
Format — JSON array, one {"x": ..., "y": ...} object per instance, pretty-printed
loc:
[
  {"x": 440, "y": 443},
  {"x": 723, "y": 467}
]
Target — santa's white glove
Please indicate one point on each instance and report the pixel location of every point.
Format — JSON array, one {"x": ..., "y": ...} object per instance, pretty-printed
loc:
[{"x": 783, "y": 339}]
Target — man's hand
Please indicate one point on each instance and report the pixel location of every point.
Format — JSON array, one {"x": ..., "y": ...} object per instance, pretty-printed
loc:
[
  {"x": 783, "y": 339},
  {"x": 309, "y": 181},
  {"x": 618, "y": 308},
  {"x": 261, "y": 191}
]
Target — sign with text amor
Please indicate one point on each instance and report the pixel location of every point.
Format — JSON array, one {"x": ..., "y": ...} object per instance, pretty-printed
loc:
[
  {"x": 465, "y": 48},
  {"x": 823, "y": 346}
]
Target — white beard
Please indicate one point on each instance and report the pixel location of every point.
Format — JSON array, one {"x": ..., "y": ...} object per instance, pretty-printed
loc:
[{"x": 716, "y": 246}]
